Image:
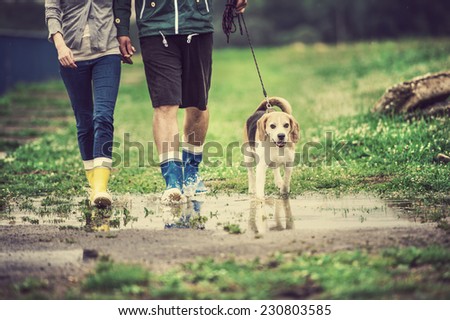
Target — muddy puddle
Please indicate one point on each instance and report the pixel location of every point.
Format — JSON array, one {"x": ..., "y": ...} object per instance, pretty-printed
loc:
[
  {"x": 222, "y": 213},
  {"x": 61, "y": 239}
]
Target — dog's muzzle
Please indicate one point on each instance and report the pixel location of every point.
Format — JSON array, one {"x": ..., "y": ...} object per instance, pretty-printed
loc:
[
  {"x": 281, "y": 140},
  {"x": 280, "y": 144}
]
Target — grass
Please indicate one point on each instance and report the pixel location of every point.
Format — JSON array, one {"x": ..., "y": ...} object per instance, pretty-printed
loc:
[
  {"x": 344, "y": 149},
  {"x": 232, "y": 228},
  {"x": 30, "y": 111},
  {"x": 392, "y": 273}
]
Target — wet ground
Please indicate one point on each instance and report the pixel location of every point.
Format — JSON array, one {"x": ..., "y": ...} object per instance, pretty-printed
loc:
[
  {"x": 60, "y": 241},
  {"x": 214, "y": 213}
]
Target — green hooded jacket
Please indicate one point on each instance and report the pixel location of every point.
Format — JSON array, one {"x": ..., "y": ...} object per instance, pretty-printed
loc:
[{"x": 169, "y": 17}]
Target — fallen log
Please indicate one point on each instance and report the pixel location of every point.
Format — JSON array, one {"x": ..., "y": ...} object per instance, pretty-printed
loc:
[
  {"x": 422, "y": 94},
  {"x": 440, "y": 109}
]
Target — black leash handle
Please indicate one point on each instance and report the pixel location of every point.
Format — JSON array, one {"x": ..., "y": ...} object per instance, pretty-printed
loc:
[{"x": 229, "y": 27}]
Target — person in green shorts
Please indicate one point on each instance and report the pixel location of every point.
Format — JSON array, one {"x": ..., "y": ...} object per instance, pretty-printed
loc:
[{"x": 176, "y": 38}]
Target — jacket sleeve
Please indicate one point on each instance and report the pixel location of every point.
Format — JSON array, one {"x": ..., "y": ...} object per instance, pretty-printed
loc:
[
  {"x": 53, "y": 17},
  {"x": 122, "y": 13}
]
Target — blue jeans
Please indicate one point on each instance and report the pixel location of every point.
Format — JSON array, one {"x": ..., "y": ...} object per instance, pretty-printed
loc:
[{"x": 93, "y": 89}]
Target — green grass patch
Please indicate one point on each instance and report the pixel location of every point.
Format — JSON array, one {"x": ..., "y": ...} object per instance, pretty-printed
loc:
[
  {"x": 393, "y": 273},
  {"x": 232, "y": 228},
  {"x": 110, "y": 277}
]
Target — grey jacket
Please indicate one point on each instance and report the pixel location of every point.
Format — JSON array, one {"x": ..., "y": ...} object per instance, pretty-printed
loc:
[{"x": 69, "y": 17}]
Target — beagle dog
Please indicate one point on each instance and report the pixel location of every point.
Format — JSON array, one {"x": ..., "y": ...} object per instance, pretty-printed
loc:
[{"x": 269, "y": 141}]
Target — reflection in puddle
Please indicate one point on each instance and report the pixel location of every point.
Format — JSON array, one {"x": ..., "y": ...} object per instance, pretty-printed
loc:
[
  {"x": 308, "y": 212},
  {"x": 282, "y": 218},
  {"x": 188, "y": 216}
]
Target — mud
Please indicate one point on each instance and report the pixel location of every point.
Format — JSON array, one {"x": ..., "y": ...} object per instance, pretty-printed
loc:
[{"x": 61, "y": 244}]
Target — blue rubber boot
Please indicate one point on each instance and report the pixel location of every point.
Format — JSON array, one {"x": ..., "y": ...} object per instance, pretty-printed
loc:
[
  {"x": 172, "y": 172},
  {"x": 192, "y": 183}
]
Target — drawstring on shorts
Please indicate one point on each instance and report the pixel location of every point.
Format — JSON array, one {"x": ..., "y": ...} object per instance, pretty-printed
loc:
[
  {"x": 188, "y": 39},
  {"x": 164, "y": 41}
]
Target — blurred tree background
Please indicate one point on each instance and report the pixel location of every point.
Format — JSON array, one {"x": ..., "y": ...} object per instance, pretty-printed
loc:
[
  {"x": 285, "y": 21},
  {"x": 334, "y": 21}
]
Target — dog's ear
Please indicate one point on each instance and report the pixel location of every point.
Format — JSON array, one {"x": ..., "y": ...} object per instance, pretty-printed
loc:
[
  {"x": 261, "y": 127},
  {"x": 295, "y": 130}
]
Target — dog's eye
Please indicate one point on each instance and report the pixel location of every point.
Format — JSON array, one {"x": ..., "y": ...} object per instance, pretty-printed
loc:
[
  {"x": 273, "y": 126},
  {"x": 286, "y": 125}
]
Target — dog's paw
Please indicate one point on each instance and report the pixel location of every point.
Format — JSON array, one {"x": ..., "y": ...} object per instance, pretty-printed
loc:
[{"x": 284, "y": 190}]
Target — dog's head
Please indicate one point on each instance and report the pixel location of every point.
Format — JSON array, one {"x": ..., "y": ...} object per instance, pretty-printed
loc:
[{"x": 279, "y": 128}]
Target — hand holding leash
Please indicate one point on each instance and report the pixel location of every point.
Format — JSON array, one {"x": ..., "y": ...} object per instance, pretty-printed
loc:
[{"x": 240, "y": 6}]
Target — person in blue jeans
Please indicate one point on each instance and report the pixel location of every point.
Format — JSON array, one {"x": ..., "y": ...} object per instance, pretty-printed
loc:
[{"x": 84, "y": 35}]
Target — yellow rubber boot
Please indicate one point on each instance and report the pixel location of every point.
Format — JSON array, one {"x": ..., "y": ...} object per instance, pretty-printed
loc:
[
  {"x": 90, "y": 177},
  {"x": 100, "y": 196}
]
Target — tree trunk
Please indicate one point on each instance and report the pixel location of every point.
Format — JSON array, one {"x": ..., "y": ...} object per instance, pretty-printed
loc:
[{"x": 426, "y": 94}]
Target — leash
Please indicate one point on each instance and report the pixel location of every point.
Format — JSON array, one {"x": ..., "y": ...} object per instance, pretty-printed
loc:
[{"x": 229, "y": 27}]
